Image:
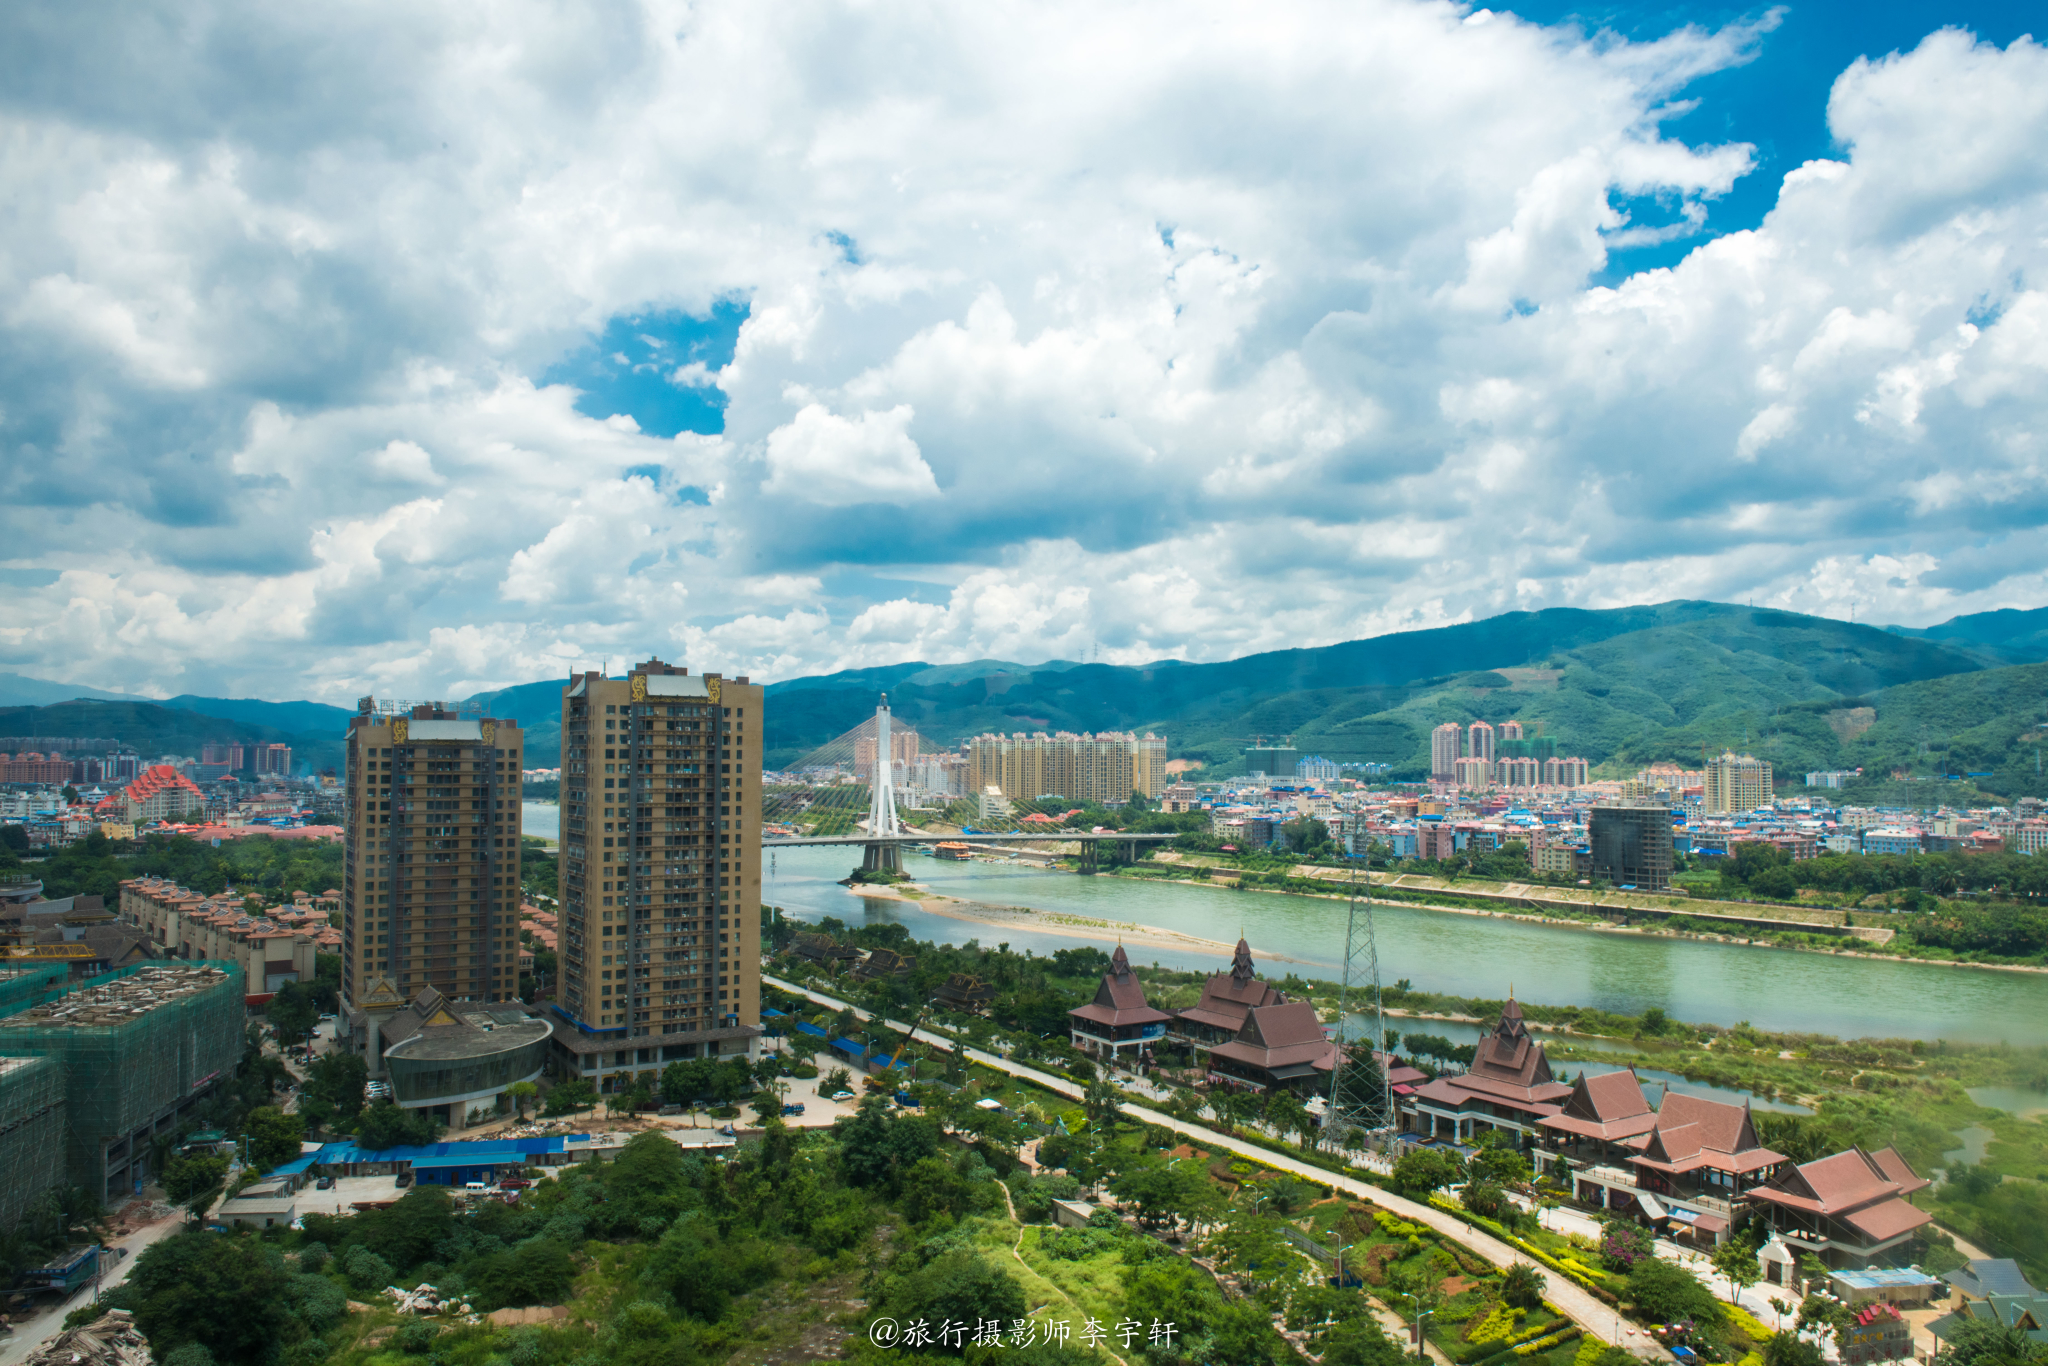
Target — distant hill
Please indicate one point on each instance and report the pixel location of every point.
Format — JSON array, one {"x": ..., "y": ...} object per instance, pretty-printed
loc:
[
  {"x": 2008, "y": 635},
  {"x": 155, "y": 730},
  {"x": 1992, "y": 721},
  {"x": 1627, "y": 685},
  {"x": 1621, "y": 687},
  {"x": 18, "y": 690},
  {"x": 298, "y": 717}
]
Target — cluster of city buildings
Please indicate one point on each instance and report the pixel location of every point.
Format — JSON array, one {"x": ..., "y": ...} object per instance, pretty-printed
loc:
[
  {"x": 1624, "y": 832},
  {"x": 1480, "y": 756},
  {"x": 55, "y": 808}
]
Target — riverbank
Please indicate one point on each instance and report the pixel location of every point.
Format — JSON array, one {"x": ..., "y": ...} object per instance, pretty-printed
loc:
[
  {"x": 1787, "y": 941},
  {"x": 1128, "y": 933}
]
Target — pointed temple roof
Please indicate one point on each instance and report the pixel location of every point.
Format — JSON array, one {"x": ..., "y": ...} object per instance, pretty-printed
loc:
[
  {"x": 1693, "y": 1132},
  {"x": 1120, "y": 999},
  {"x": 1228, "y": 997},
  {"x": 1508, "y": 1067},
  {"x": 1610, "y": 1106},
  {"x": 1864, "y": 1190},
  {"x": 1286, "y": 1040},
  {"x": 1509, "y": 1054}
]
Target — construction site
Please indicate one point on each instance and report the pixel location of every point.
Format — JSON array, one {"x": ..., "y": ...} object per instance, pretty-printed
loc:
[{"x": 127, "y": 1055}]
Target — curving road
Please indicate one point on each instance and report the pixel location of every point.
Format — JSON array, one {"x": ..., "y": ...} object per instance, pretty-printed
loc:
[{"x": 1592, "y": 1315}]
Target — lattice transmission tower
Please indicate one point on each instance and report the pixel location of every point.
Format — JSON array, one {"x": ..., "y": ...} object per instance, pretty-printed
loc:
[{"x": 1361, "y": 1103}]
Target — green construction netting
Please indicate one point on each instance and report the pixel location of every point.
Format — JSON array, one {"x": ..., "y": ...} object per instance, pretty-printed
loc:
[
  {"x": 132, "y": 1044},
  {"x": 31, "y": 1133},
  {"x": 22, "y": 987}
]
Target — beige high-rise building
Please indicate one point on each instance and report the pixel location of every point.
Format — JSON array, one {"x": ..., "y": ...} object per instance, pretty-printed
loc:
[
  {"x": 1100, "y": 768},
  {"x": 1446, "y": 747},
  {"x": 1737, "y": 782},
  {"x": 1479, "y": 741},
  {"x": 661, "y": 872},
  {"x": 430, "y": 888}
]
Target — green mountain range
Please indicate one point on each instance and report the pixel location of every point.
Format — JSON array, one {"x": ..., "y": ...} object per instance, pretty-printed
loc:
[
  {"x": 1621, "y": 687},
  {"x": 156, "y": 729}
]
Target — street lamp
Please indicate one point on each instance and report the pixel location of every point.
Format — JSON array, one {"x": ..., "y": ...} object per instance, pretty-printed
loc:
[
  {"x": 1342, "y": 1248},
  {"x": 1421, "y": 1349}
]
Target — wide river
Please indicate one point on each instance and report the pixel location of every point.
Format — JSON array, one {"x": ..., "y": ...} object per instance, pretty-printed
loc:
[{"x": 1465, "y": 955}]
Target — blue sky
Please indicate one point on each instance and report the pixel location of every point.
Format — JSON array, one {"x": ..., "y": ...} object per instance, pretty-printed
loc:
[
  {"x": 1778, "y": 101},
  {"x": 1020, "y": 330}
]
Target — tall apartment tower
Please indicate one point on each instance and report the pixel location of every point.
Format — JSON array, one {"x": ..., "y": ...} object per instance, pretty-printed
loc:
[
  {"x": 661, "y": 872},
  {"x": 1446, "y": 747},
  {"x": 1480, "y": 742},
  {"x": 430, "y": 889},
  {"x": 1510, "y": 730},
  {"x": 1737, "y": 782}
]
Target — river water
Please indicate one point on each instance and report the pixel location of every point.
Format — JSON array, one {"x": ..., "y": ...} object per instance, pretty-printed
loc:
[
  {"x": 543, "y": 819},
  {"x": 1777, "y": 989}
]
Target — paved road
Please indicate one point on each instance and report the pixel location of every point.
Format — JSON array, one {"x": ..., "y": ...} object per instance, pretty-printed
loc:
[
  {"x": 31, "y": 1333},
  {"x": 1595, "y": 1317}
]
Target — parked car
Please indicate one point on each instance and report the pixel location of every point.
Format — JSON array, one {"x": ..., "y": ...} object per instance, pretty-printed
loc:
[
  {"x": 514, "y": 1183},
  {"x": 325, "y": 1183},
  {"x": 842, "y": 1095}
]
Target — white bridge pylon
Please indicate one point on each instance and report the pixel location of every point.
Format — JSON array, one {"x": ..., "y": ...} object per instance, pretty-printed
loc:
[
  {"x": 882, "y": 805},
  {"x": 882, "y": 820}
]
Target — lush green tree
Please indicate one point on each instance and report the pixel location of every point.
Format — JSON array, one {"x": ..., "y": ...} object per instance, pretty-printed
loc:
[
  {"x": 1498, "y": 1160},
  {"x": 1423, "y": 1170},
  {"x": 367, "y": 1272},
  {"x": 337, "y": 1080},
  {"x": 521, "y": 1092},
  {"x": 877, "y": 1145},
  {"x": 704, "y": 1272},
  {"x": 226, "y": 1294},
  {"x": 1981, "y": 1342},
  {"x": 566, "y": 1098},
  {"x": 291, "y": 1013},
  {"x": 1166, "y": 1193},
  {"x": 185, "y": 1177},
  {"x": 406, "y": 1233},
  {"x": 1736, "y": 1260},
  {"x": 1666, "y": 1292},
  {"x": 932, "y": 1188},
  {"x": 388, "y": 1125},
  {"x": 1521, "y": 1286},
  {"x": 273, "y": 1135},
  {"x": 536, "y": 1271},
  {"x": 960, "y": 1286},
  {"x": 1789, "y": 1349},
  {"x": 1486, "y": 1200}
]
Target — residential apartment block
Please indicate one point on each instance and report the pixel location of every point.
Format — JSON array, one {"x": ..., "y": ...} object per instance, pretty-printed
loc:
[
  {"x": 271, "y": 950},
  {"x": 1446, "y": 747},
  {"x": 661, "y": 869},
  {"x": 1103, "y": 768},
  {"x": 1737, "y": 782},
  {"x": 431, "y": 890}
]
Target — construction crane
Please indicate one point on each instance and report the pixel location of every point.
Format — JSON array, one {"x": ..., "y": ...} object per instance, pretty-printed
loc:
[{"x": 876, "y": 1080}]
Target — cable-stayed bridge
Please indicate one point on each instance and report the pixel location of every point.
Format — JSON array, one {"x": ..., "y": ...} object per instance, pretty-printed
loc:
[{"x": 864, "y": 788}]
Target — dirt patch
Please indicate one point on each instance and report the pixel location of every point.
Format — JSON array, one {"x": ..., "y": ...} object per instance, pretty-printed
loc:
[
  {"x": 791, "y": 1327},
  {"x": 1850, "y": 722},
  {"x": 1376, "y": 1259},
  {"x": 536, "y": 1313}
]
